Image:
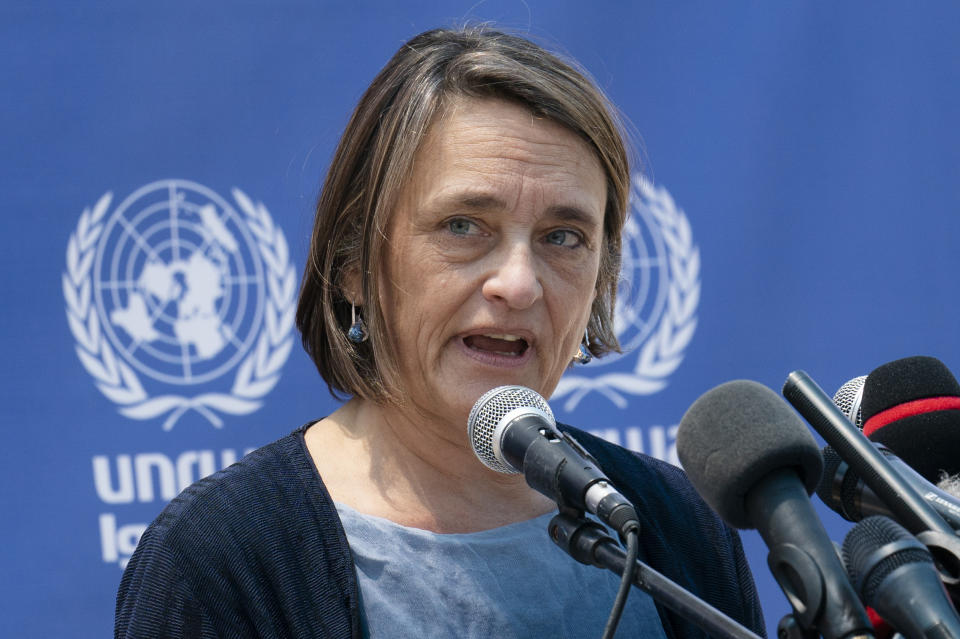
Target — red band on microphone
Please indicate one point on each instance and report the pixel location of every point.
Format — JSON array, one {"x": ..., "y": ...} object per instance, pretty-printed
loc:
[{"x": 909, "y": 409}]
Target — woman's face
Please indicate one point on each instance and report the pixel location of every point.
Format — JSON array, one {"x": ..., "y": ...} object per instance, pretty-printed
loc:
[{"x": 493, "y": 254}]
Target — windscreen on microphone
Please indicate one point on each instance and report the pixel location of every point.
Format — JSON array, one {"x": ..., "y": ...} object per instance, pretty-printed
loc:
[
  {"x": 912, "y": 406},
  {"x": 735, "y": 435}
]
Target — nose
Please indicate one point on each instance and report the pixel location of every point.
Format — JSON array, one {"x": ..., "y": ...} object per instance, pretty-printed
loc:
[{"x": 513, "y": 278}]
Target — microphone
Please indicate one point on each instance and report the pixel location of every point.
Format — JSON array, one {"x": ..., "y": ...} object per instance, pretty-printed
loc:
[
  {"x": 512, "y": 430},
  {"x": 895, "y": 575},
  {"x": 811, "y": 402},
  {"x": 842, "y": 489},
  {"x": 912, "y": 406},
  {"x": 919, "y": 517},
  {"x": 755, "y": 463},
  {"x": 848, "y": 399}
]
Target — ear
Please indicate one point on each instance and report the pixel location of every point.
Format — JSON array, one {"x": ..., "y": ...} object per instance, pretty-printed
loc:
[{"x": 351, "y": 286}]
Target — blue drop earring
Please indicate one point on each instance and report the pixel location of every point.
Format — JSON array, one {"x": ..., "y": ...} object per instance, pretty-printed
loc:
[
  {"x": 583, "y": 355},
  {"x": 358, "y": 329}
]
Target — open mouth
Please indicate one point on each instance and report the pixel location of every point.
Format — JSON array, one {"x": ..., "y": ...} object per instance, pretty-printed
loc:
[{"x": 509, "y": 345}]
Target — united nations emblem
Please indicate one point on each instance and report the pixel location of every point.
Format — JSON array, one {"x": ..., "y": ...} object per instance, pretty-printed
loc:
[
  {"x": 180, "y": 287},
  {"x": 655, "y": 316}
]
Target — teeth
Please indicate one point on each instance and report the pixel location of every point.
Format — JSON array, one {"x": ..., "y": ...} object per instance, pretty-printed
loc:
[{"x": 506, "y": 338}]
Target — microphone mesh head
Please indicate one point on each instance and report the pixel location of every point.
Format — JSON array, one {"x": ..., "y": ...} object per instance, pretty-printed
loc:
[
  {"x": 866, "y": 566},
  {"x": 487, "y": 413},
  {"x": 848, "y": 399}
]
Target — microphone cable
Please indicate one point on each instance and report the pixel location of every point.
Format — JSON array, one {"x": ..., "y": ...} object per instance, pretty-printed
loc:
[{"x": 626, "y": 582}]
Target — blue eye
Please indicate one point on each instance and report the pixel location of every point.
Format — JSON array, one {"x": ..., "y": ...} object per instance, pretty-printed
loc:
[
  {"x": 563, "y": 237},
  {"x": 460, "y": 226}
]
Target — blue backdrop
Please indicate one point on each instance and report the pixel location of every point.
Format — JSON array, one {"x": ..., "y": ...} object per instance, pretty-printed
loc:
[{"x": 159, "y": 171}]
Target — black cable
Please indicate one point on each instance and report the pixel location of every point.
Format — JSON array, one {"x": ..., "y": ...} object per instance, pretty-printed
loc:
[
  {"x": 626, "y": 582},
  {"x": 589, "y": 543}
]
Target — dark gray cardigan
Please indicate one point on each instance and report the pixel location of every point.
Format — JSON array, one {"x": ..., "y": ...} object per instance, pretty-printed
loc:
[{"x": 257, "y": 550}]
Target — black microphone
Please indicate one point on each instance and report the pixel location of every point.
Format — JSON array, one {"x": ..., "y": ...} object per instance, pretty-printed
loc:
[
  {"x": 918, "y": 516},
  {"x": 843, "y": 490},
  {"x": 512, "y": 430},
  {"x": 912, "y": 406},
  {"x": 895, "y": 575},
  {"x": 755, "y": 463},
  {"x": 817, "y": 408}
]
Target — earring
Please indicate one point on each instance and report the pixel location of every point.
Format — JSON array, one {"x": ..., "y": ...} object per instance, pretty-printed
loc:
[
  {"x": 583, "y": 355},
  {"x": 358, "y": 329}
]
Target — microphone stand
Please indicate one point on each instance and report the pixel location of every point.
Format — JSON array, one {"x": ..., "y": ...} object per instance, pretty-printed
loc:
[{"x": 589, "y": 543}]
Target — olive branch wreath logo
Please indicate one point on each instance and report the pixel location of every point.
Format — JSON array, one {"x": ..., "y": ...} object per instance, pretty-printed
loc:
[
  {"x": 257, "y": 374},
  {"x": 662, "y": 352}
]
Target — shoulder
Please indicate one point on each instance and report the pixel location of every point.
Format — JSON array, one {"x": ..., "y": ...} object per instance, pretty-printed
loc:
[
  {"x": 261, "y": 532},
  {"x": 265, "y": 484},
  {"x": 269, "y": 503}
]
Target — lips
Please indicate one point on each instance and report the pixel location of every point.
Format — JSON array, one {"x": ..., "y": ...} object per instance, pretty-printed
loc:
[{"x": 501, "y": 344}]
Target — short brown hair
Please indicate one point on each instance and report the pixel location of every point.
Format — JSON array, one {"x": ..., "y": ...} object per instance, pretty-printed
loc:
[{"x": 375, "y": 155}]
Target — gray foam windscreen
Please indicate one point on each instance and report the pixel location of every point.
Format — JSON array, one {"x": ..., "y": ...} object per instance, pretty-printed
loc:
[{"x": 735, "y": 435}]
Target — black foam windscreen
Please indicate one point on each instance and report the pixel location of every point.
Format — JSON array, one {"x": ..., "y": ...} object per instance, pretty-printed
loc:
[
  {"x": 926, "y": 435},
  {"x": 905, "y": 380},
  {"x": 735, "y": 435}
]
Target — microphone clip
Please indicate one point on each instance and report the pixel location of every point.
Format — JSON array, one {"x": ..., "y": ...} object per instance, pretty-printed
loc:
[
  {"x": 575, "y": 445},
  {"x": 578, "y": 536},
  {"x": 946, "y": 557}
]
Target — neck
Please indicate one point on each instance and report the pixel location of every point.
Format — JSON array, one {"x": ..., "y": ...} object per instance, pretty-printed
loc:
[{"x": 420, "y": 471}]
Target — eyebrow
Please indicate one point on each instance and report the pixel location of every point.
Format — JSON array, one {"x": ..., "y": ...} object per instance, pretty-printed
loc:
[{"x": 484, "y": 202}]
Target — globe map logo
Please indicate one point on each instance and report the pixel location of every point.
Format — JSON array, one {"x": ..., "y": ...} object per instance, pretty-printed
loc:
[
  {"x": 180, "y": 287},
  {"x": 657, "y": 299}
]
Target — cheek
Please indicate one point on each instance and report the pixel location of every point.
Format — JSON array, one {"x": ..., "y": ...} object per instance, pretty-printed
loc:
[
  {"x": 576, "y": 284},
  {"x": 571, "y": 304},
  {"x": 420, "y": 310}
]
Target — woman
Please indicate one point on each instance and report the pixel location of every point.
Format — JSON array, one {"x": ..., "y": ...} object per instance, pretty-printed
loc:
[{"x": 467, "y": 236}]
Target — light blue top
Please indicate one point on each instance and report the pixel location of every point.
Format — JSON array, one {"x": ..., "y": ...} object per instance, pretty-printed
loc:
[{"x": 506, "y": 582}]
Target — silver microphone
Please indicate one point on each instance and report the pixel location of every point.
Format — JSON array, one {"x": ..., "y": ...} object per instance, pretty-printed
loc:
[
  {"x": 848, "y": 399},
  {"x": 512, "y": 430},
  {"x": 489, "y": 418}
]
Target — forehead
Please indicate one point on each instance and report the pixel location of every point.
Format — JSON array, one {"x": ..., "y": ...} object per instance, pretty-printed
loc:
[{"x": 492, "y": 148}]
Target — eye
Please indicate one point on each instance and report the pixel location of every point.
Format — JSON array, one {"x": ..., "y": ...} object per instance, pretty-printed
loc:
[
  {"x": 461, "y": 226},
  {"x": 564, "y": 237}
]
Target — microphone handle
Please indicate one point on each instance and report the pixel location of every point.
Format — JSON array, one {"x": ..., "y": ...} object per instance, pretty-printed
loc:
[
  {"x": 811, "y": 575},
  {"x": 554, "y": 468},
  {"x": 589, "y": 544},
  {"x": 866, "y": 502},
  {"x": 943, "y": 502},
  {"x": 541, "y": 454},
  {"x": 912, "y": 605}
]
